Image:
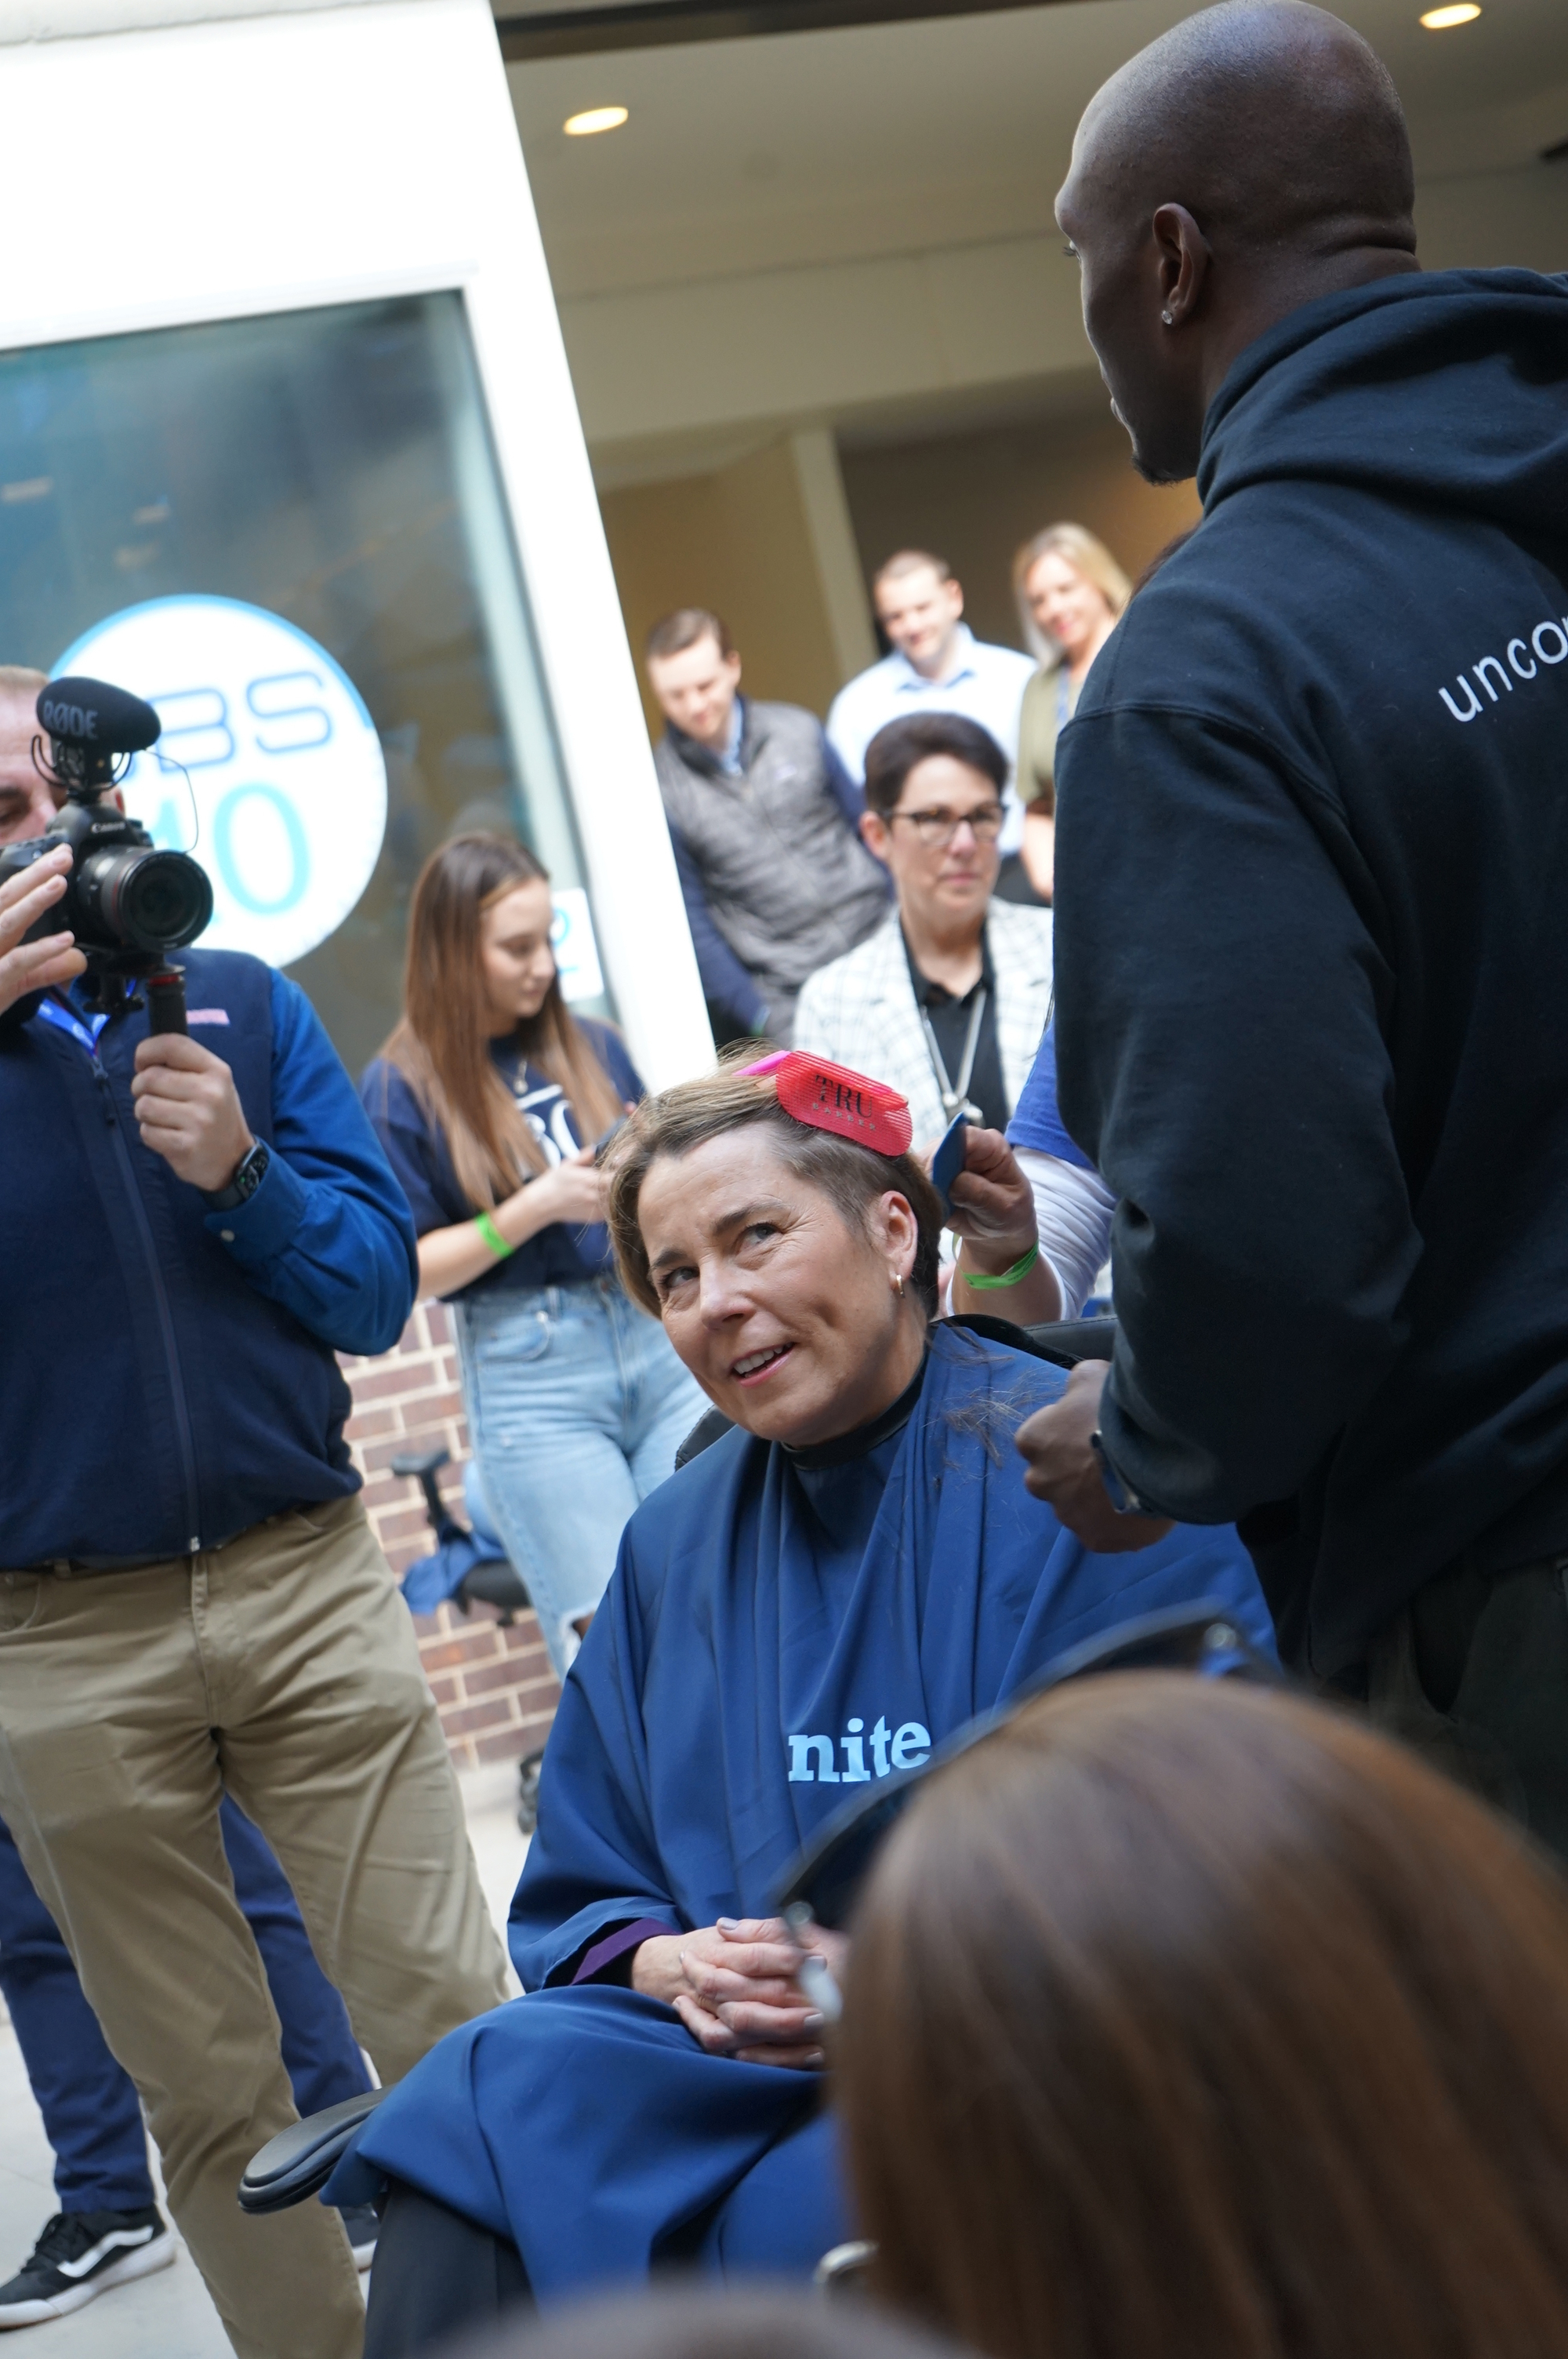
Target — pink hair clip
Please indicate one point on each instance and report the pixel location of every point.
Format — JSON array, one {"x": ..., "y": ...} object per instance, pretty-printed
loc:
[{"x": 831, "y": 1097}]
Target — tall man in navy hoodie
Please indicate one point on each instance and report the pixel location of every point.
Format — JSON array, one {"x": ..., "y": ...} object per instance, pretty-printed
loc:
[
  {"x": 1312, "y": 956},
  {"x": 190, "y": 1598}
]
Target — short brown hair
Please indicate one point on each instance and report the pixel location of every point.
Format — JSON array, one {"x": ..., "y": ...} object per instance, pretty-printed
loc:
[
  {"x": 692, "y": 1112},
  {"x": 909, "y": 561},
  {"x": 683, "y": 629},
  {"x": 1180, "y": 2018},
  {"x": 899, "y": 746}
]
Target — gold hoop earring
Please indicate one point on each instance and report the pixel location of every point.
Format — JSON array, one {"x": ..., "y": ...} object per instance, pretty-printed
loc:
[{"x": 898, "y": 1286}]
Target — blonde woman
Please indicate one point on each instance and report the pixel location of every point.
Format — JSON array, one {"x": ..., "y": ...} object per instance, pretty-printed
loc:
[{"x": 1071, "y": 593}]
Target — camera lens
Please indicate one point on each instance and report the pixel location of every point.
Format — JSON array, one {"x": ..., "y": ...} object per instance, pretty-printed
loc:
[{"x": 150, "y": 901}]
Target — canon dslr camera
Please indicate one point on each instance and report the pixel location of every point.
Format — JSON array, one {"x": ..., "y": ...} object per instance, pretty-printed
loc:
[{"x": 127, "y": 902}]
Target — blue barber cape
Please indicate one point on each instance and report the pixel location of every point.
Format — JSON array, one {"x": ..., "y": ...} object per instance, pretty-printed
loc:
[{"x": 776, "y": 1634}]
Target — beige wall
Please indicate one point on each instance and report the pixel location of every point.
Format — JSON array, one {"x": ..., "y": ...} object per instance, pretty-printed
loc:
[
  {"x": 760, "y": 350},
  {"x": 667, "y": 375},
  {"x": 738, "y": 540},
  {"x": 974, "y": 497}
]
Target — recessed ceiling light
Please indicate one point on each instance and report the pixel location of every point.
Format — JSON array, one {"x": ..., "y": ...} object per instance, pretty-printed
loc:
[
  {"x": 1461, "y": 12},
  {"x": 611, "y": 118}
]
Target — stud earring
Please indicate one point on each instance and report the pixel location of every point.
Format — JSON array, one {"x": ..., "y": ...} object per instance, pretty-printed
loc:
[{"x": 1166, "y": 316}]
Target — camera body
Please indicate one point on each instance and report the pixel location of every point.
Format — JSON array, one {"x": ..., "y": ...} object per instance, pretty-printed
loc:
[{"x": 127, "y": 902}]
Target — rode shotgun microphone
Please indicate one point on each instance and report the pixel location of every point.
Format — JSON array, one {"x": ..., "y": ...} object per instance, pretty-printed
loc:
[{"x": 92, "y": 726}]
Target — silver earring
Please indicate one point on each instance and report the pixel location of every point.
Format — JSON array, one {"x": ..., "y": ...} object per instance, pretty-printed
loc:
[{"x": 1166, "y": 316}]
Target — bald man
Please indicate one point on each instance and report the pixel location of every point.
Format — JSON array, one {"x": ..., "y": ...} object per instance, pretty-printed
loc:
[{"x": 1311, "y": 944}]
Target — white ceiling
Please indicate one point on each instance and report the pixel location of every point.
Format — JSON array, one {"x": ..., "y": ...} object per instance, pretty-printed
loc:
[{"x": 755, "y": 155}]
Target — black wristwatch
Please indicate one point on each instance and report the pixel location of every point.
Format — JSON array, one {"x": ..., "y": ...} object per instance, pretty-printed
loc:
[{"x": 249, "y": 1173}]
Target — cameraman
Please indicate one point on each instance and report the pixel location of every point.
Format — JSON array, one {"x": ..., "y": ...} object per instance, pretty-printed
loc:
[{"x": 192, "y": 1600}]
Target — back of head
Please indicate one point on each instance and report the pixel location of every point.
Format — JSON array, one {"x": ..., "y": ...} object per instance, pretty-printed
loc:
[
  {"x": 1272, "y": 121},
  {"x": 1187, "y": 2019},
  {"x": 666, "y": 2323}
]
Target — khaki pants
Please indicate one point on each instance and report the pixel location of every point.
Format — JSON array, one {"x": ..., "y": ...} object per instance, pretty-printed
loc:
[{"x": 283, "y": 1668}]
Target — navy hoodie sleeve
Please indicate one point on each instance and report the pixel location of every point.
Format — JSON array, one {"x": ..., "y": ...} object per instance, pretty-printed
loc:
[
  {"x": 724, "y": 979},
  {"x": 1220, "y": 1036},
  {"x": 328, "y": 1233}
]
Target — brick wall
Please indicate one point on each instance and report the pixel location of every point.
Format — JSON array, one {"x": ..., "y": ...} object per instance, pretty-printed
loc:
[{"x": 495, "y": 1687}]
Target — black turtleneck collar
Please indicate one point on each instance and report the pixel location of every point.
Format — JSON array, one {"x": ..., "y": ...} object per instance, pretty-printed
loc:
[{"x": 861, "y": 1439}]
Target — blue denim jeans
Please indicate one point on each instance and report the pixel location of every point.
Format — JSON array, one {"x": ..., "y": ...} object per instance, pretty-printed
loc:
[{"x": 576, "y": 1405}]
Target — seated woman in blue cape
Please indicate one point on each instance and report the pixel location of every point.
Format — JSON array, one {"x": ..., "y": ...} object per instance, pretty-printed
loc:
[{"x": 810, "y": 1604}]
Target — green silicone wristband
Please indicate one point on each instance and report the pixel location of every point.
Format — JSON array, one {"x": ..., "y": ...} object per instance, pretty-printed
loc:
[
  {"x": 1021, "y": 1268},
  {"x": 493, "y": 1236}
]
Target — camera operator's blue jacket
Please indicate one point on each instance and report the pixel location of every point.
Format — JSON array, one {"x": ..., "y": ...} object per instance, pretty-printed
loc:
[{"x": 168, "y": 1374}]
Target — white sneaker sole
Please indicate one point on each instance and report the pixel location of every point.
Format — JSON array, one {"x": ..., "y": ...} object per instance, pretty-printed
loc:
[{"x": 139, "y": 2262}]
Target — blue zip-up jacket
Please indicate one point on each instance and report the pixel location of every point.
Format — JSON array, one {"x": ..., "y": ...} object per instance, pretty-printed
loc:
[
  {"x": 1312, "y": 961},
  {"x": 168, "y": 1374}
]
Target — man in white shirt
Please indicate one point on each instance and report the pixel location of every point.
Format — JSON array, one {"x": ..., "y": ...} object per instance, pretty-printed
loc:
[{"x": 937, "y": 664}]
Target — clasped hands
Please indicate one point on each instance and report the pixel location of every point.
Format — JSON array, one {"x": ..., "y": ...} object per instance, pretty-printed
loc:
[{"x": 733, "y": 1987}]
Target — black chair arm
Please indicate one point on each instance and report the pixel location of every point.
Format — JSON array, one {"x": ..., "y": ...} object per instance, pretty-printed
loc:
[{"x": 301, "y": 2159}]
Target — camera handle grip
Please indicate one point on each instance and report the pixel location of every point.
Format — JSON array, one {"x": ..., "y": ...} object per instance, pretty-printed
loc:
[{"x": 166, "y": 1001}]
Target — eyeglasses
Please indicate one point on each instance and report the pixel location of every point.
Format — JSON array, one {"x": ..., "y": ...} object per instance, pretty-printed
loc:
[{"x": 937, "y": 827}]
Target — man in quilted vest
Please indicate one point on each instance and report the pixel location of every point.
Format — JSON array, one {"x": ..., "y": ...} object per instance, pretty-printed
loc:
[{"x": 764, "y": 819}]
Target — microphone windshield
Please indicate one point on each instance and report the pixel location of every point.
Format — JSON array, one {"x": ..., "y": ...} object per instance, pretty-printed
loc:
[{"x": 97, "y": 717}]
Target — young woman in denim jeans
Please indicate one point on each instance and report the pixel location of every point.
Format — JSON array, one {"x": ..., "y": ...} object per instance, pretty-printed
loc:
[{"x": 488, "y": 1098}]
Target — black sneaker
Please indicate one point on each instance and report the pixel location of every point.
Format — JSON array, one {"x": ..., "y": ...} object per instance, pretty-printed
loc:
[
  {"x": 361, "y": 2227},
  {"x": 80, "y": 2256}
]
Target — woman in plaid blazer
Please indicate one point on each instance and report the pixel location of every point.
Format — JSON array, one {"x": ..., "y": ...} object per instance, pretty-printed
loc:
[{"x": 947, "y": 1000}]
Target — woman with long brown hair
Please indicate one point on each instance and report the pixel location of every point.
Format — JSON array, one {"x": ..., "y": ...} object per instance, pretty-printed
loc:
[
  {"x": 1182, "y": 2018},
  {"x": 488, "y": 1098}
]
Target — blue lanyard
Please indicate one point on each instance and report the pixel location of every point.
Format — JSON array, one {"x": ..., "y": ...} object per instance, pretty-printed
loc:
[{"x": 64, "y": 1021}]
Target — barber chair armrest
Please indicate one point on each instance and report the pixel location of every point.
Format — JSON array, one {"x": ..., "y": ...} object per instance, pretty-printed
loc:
[
  {"x": 419, "y": 1462},
  {"x": 301, "y": 2159}
]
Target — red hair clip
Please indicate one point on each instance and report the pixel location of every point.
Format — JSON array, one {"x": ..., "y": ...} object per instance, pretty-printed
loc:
[{"x": 830, "y": 1097}]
